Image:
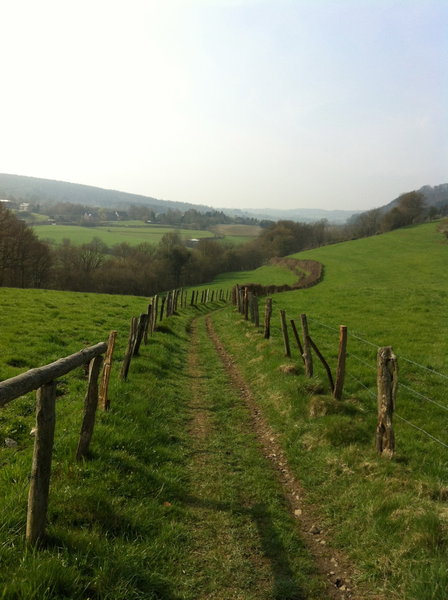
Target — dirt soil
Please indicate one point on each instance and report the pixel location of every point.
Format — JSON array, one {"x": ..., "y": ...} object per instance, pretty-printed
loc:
[{"x": 339, "y": 573}]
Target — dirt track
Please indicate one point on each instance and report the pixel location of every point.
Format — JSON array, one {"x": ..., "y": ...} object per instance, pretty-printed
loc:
[{"x": 337, "y": 570}]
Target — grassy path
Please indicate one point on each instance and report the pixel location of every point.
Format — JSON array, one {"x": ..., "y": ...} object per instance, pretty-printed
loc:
[{"x": 245, "y": 543}]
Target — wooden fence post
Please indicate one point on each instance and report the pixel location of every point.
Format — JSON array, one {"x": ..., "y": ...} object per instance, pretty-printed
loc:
[
  {"x": 340, "y": 370},
  {"x": 387, "y": 382},
  {"x": 128, "y": 354},
  {"x": 307, "y": 357},
  {"x": 90, "y": 405},
  {"x": 148, "y": 324},
  {"x": 103, "y": 399},
  {"x": 255, "y": 310},
  {"x": 246, "y": 304},
  {"x": 140, "y": 332},
  {"x": 285, "y": 334},
  {"x": 296, "y": 337},
  {"x": 162, "y": 307},
  {"x": 267, "y": 318},
  {"x": 155, "y": 309},
  {"x": 41, "y": 466}
]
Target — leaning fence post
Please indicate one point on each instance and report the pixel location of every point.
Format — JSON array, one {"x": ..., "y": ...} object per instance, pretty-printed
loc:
[
  {"x": 128, "y": 354},
  {"x": 90, "y": 405},
  {"x": 285, "y": 334},
  {"x": 140, "y": 332},
  {"x": 387, "y": 382},
  {"x": 340, "y": 370},
  {"x": 307, "y": 357},
  {"x": 41, "y": 466},
  {"x": 103, "y": 399},
  {"x": 267, "y": 318},
  {"x": 296, "y": 337}
]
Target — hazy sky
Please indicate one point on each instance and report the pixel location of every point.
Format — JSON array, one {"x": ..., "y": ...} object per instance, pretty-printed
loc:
[{"x": 232, "y": 103}]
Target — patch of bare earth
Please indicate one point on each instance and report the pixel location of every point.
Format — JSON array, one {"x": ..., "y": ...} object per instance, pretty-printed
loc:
[{"x": 339, "y": 573}]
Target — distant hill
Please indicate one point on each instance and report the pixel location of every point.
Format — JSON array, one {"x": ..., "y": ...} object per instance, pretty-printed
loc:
[
  {"x": 36, "y": 190},
  {"x": 434, "y": 196},
  {"x": 305, "y": 215}
]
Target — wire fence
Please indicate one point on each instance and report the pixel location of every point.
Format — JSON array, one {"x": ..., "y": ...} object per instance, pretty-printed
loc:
[{"x": 418, "y": 389}]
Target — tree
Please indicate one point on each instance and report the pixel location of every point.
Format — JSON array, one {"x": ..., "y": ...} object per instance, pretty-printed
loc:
[{"x": 24, "y": 260}]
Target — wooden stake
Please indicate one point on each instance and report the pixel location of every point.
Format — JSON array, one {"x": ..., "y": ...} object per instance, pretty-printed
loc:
[
  {"x": 267, "y": 318},
  {"x": 323, "y": 361},
  {"x": 285, "y": 334},
  {"x": 387, "y": 382},
  {"x": 140, "y": 331},
  {"x": 340, "y": 370},
  {"x": 296, "y": 337},
  {"x": 128, "y": 354},
  {"x": 41, "y": 466},
  {"x": 307, "y": 357},
  {"x": 90, "y": 405},
  {"x": 103, "y": 399},
  {"x": 148, "y": 324}
]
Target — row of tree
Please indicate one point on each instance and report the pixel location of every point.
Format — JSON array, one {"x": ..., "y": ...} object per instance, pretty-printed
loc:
[{"x": 145, "y": 269}]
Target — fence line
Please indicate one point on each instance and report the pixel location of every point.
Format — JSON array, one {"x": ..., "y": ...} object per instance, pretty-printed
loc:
[
  {"x": 43, "y": 379},
  {"x": 379, "y": 395}
]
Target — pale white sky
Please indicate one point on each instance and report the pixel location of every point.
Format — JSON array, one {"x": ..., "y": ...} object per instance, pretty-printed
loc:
[{"x": 230, "y": 103}]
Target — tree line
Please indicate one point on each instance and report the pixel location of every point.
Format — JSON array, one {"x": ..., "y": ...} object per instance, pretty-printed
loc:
[{"x": 145, "y": 269}]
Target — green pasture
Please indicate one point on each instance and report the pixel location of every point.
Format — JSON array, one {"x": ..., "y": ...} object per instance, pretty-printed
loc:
[
  {"x": 114, "y": 234},
  {"x": 241, "y": 231},
  {"x": 389, "y": 515}
]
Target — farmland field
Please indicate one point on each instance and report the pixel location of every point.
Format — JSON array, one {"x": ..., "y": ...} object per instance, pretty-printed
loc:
[{"x": 114, "y": 234}]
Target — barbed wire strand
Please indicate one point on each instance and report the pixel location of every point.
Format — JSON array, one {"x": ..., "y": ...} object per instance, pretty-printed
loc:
[
  {"x": 415, "y": 393},
  {"x": 420, "y": 429},
  {"x": 433, "y": 371},
  {"x": 363, "y": 362},
  {"x": 357, "y": 337},
  {"x": 322, "y": 324}
]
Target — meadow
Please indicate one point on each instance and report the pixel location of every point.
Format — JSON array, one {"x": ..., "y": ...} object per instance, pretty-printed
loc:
[
  {"x": 131, "y": 233},
  {"x": 130, "y": 522}
]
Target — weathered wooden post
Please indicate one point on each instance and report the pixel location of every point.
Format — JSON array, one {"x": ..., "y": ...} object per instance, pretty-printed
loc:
[
  {"x": 387, "y": 382},
  {"x": 103, "y": 399},
  {"x": 90, "y": 405},
  {"x": 285, "y": 334},
  {"x": 155, "y": 309},
  {"x": 267, "y": 318},
  {"x": 128, "y": 354},
  {"x": 236, "y": 296},
  {"x": 148, "y": 324},
  {"x": 246, "y": 303},
  {"x": 162, "y": 307},
  {"x": 307, "y": 356},
  {"x": 256, "y": 311},
  {"x": 296, "y": 337},
  {"x": 140, "y": 332},
  {"x": 41, "y": 466},
  {"x": 340, "y": 370}
]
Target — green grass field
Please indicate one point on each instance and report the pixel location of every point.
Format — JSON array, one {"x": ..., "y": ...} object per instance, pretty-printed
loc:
[
  {"x": 113, "y": 234},
  {"x": 131, "y": 522}
]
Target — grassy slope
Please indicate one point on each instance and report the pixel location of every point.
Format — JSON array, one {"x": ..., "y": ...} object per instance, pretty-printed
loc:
[
  {"x": 121, "y": 523},
  {"x": 390, "y": 516}
]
